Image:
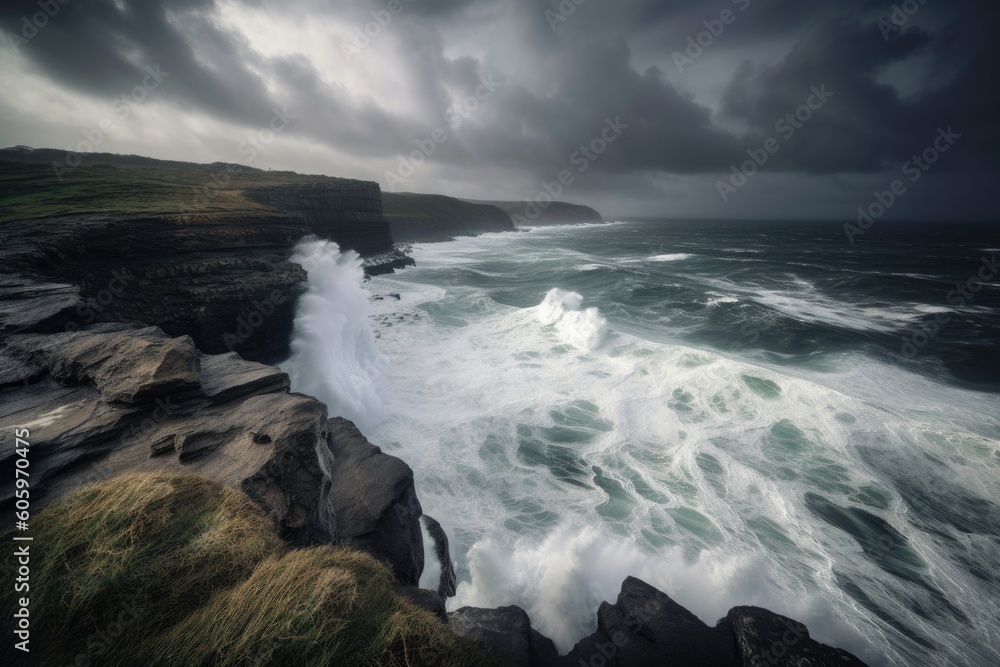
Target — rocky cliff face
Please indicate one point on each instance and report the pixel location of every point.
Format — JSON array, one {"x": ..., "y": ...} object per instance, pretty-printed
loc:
[
  {"x": 223, "y": 279},
  {"x": 349, "y": 213},
  {"x": 416, "y": 218}
]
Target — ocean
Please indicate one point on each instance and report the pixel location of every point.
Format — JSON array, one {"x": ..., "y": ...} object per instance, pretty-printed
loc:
[{"x": 739, "y": 413}]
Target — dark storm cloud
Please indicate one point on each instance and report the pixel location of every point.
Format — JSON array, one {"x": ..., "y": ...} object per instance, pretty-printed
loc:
[
  {"x": 590, "y": 74},
  {"x": 868, "y": 125}
]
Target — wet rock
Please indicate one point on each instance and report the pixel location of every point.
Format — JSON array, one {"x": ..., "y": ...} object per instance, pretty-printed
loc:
[
  {"x": 505, "y": 633},
  {"x": 766, "y": 638},
  {"x": 646, "y": 627},
  {"x": 446, "y": 586},
  {"x": 372, "y": 497}
]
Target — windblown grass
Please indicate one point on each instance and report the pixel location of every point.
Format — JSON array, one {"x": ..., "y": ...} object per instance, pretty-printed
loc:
[
  {"x": 33, "y": 191},
  {"x": 176, "y": 570}
]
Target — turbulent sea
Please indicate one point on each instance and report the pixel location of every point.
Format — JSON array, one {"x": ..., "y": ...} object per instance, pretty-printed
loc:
[{"x": 737, "y": 413}]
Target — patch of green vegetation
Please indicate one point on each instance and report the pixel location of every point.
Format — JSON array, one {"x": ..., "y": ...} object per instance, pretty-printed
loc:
[
  {"x": 30, "y": 190},
  {"x": 172, "y": 570}
]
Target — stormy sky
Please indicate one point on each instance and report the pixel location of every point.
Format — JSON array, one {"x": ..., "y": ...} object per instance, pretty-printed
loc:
[{"x": 644, "y": 106}]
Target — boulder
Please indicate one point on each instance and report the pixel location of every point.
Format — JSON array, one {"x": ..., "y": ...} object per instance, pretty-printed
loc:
[
  {"x": 171, "y": 410},
  {"x": 373, "y": 501},
  {"x": 506, "y": 633}
]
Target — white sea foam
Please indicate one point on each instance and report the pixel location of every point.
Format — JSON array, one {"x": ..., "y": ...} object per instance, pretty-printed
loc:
[
  {"x": 585, "y": 329},
  {"x": 334, "y": 357},
  {"x": 672, "y": 257},
  {"x": 720, "y": 298}
]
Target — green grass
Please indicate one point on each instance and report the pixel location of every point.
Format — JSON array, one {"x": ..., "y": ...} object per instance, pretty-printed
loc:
[
  {"x": 34, "y": 191},
  {"x": 172, "y": 570}
]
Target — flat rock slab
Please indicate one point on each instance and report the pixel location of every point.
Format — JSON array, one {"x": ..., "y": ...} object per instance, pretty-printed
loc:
[
  {"x": 131, "y": 367},
  {"x": 225, "y": 376}
]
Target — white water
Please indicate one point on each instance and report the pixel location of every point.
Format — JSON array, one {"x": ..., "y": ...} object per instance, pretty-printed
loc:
[
  {"x": 334, "y": 357},
  {"x": 562, "y": 456},
  {"x": 585, "y": 329}
]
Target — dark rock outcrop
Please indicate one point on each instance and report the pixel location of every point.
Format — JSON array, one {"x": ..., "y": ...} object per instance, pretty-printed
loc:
[
  {"x": 766, "y": 638},
  {"x": 446, "y": 585},
  {"x": 128, "y": 369},
  {"x": 416, "y": 218},
  {"x": 174, "y": 409},
  {"x": 373, "y": 499},
  {"x": 505, "y": 633},
  {"x": 646, "y": 628}
]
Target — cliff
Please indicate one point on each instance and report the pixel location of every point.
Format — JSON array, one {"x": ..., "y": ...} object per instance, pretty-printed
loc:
[
  {"x": 530, "y": 214},
  {"x": 427, "y": 218},
  {"x": 349, "y": 213},
  {"x": 123, "y": 243}
]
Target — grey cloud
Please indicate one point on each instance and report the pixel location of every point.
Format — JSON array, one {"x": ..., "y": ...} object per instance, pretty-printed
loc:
[{"x": 608, "y": 60}]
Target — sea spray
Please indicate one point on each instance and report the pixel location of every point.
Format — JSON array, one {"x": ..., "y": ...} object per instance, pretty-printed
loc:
[
  {"x": 562, "y": 581},
  {"x": 334, "y": 357},
  {"x": 585, "y": 329}
]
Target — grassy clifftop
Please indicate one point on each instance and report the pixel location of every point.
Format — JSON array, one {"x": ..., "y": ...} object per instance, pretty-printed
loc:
[
  {"x": 177, "y": 570},
  {"x": 105, "y": 183}
]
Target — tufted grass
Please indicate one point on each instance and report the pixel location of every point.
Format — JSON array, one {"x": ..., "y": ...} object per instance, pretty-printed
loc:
[{"x": 172, "y": 570}]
